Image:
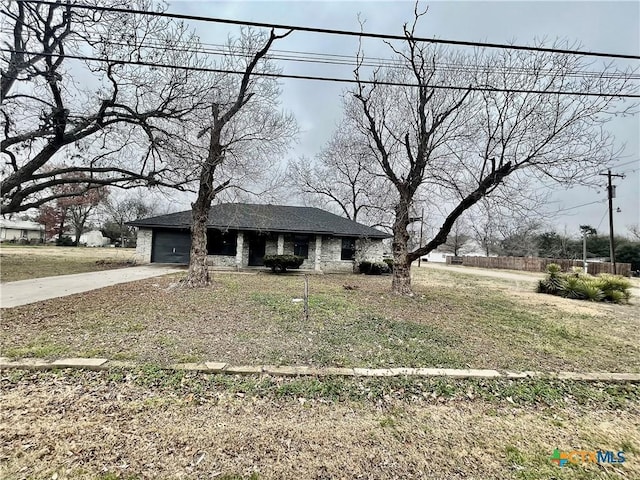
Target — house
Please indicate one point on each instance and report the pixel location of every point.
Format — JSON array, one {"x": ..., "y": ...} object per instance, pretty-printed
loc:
[
  {"x": 240, "y": 235},
  {"x": 471, "y": 248},
  {"x": 21, "y": 231},
  {"x": 93, "y": 238}
]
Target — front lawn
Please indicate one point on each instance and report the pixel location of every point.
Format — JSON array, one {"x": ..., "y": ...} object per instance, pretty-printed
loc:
[
  {"x": 456, "y": 320},
  {"x": 24, "y": 262},
  {"x": 154, "y": 424}
]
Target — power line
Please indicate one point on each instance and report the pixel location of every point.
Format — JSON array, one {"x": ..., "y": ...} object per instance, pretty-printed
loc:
[
  {"x": 627, "y": 163},
  {"x": 602, "y": 219},
  {"x": 340, "y": 32},
  {"x": 327, "y": 79},
  {"x": 345, "y": 60},
  {"x": 579, "y": 206}
]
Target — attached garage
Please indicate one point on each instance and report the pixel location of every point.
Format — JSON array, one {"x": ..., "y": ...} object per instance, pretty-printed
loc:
[{"x": 171, "y": 246}]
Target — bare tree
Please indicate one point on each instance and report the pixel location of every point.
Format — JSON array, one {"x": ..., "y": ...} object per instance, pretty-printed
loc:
[
  {"x": 463, "y": 145},
  {"x": 520, "y": 238},
  {"x": 484, "y": 222},
  {"x": 107, "y": 119},
  {"x": 74, "y": 205},
  {"x": 82, "y": 206},
  {"x": 119, "y": 211},
  {"x": 341, "y": 180},
  {"x": 244, "y": 130},
  {"x": 458, "y": 239},
  {"x": 634, "y": 230},
  {"x": 404, "y": 129}
]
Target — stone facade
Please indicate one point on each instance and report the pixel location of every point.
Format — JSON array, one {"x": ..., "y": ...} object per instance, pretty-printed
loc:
[
  {"x": 144, "y": 245},
  {"x": 330, "y": 260},
  {"x": 288, "y": 249},
  {"x": 370, "y": 250},
  {"x": 221, "y": 260},
  {"x": 323, "y": 253},
  {"x": 271, "y": 246}
]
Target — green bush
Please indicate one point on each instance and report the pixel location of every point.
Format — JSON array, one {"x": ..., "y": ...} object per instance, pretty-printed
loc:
[
  {"x": 389, "y": 262},
  {"x": 613, "y": 286},
  {"x": 65, "y": 241},
  {"x": 373, "y": 268},
  {"x": 280, "y": 263},
  {"x": 553, "y": 282},
  {"x": 581, "y": 286},
  {"x": 364, "y": 267},
  {"x": 629, "y": 253}
]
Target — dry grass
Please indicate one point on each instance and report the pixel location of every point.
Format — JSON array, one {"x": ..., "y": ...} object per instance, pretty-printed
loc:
[
  {"x": 23, "y": 262},
  {"x": 101, "y": 426},
  {"x": 456, "y": 320}
]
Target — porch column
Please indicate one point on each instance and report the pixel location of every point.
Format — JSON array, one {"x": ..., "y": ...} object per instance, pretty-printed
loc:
[
  {"x": 280, "y": 244},
  {"x": 239, "y": 249},
  {"x": 318, "y": 252}
]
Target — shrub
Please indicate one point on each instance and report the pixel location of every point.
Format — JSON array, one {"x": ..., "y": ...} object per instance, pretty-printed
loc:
[
  {"x": 613, "y": 287},
  {"x": 581, "y": 286},
  {"x": 65, "y": 241},
  {"x": 553, "y": 282},
  {"x": 373, "y": 268},
  {"x": 629, "y": 253},
  {"x": 389, "y": 262},
  {"x": 280, "y": 263}
]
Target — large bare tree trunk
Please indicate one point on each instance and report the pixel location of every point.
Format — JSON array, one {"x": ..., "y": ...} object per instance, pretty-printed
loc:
[
  {"x": 221, "y": 114},
  {"x": 198, "y": 275},
  {"x": 401, "y": 283}
]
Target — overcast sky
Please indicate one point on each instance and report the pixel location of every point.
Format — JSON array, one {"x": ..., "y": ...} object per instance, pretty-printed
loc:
[{"x": 597, "y": 26}]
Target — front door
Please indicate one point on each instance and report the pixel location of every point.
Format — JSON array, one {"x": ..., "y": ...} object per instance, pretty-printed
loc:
[{"x": 257, "y": 245}]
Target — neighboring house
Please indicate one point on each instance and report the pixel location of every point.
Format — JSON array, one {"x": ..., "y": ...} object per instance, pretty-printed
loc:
[
  {"x": 471, "y": 248},
  {"x": 240, "y": 235},
  {"x": 93, "y": 238},
  {"x": 20, "y": 230}
]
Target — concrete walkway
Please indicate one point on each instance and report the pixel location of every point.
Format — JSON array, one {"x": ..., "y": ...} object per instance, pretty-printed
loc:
[{"x": 23, "y": 292}]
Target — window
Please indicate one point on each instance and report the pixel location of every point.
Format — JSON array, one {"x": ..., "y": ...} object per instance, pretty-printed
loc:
[
  {"x": 221, "y": 243},
  {"x": 348, "y": 249},
  {"x": 301, "y": 245}
]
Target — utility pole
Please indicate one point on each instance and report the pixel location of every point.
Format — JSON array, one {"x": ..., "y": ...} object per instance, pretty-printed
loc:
[
  {"x": 415, "y": 219},
  {"x": 421, "y": 226},
  {"x": 611, "y": 195},
  {"x": 584, "y": 252}
]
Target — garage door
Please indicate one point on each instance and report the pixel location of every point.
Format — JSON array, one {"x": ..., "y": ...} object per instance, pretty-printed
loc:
[{"x": 171, "y": 246}]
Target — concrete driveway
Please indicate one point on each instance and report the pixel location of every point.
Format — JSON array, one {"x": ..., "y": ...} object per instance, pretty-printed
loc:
[{"x": 23, "y": 292}]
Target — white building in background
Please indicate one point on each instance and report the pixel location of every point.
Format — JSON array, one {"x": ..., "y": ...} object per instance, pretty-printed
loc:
[
  {"x": 471, "y": 248},
  {"x": 20, "y": 230},
  {"x": 94, "y": 238}
]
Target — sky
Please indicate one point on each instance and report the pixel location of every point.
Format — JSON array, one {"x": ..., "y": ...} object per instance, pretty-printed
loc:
[{"x": 596, "y": 26}]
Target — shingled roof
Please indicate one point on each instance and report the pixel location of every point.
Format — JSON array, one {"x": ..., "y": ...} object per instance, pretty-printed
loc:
[{"x": 267, "y": 218}]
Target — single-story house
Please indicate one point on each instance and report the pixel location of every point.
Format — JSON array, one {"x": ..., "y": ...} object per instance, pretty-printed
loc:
[
  {"x": 239, "y": 235},
  {"x": 20, "y": 230}
]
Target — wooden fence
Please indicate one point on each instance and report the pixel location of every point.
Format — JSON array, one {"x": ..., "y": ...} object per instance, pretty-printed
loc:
[{"x": 537, "y": 264}]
